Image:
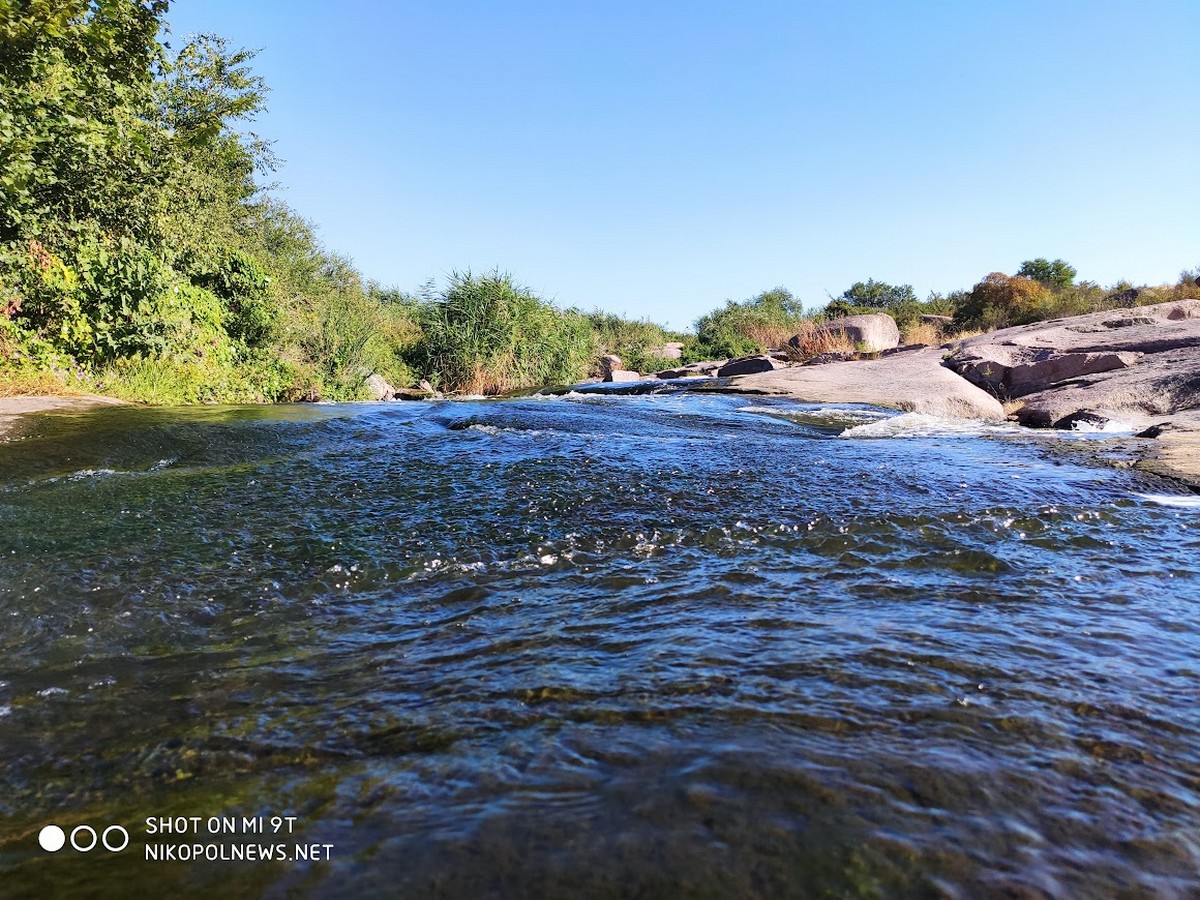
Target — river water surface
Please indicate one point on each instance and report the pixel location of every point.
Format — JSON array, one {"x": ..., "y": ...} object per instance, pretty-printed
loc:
[{"x": 589, "y": 646}]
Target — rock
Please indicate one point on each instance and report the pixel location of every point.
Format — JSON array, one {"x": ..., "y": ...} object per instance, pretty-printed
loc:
[
  {"x": 694, "y": 370},
  {"x": 822, "y": 359},
  {"x": 915, "y": 381},
  {"x": 1126, "y": 364},
  {"x": 1160, "y": 384},
  {"x": 874, "y": 332},
  {"x": 610, "y": 363},
  {"x": 378, "y": 387},
  {"x": 1085, "y": 420},
  {"x": 623, "y": 375},
  {"x": 940, "y": 321},
  {"x": 673, "y": 350},
  {"x": 747, "y": 365},
  {"x": 1016, "y": 371},
  {"x": 1145, "y": 329},
  {"x": 1175, "y": 452},
  {"x": 426, "y": 386}
]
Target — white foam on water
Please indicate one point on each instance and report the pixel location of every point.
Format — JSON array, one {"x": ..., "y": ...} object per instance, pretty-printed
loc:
[
  {"x": 1183, "y": 501},
  {"x": 909, "y": 425},
  {"x": 1110, "y": 426}
]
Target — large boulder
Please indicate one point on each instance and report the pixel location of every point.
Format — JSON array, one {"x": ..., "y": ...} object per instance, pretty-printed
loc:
[
  {"x": 873, "y": 333},
  {"x": 748, "y": 365}
]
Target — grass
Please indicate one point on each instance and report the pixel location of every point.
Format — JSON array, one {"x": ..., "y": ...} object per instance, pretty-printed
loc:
[
  {"x": 922, "y": 333},
  {"x": 814, "y": 339},
  {"x": 488, "y": 335}
]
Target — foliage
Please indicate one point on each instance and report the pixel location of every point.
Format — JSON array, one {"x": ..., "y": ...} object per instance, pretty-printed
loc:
[
  {"x": 763, "y": 322},
  {"x": 488, "y": 335},
  {"x": 635, "y": 341},
  {"x": 878, "y": 295},
  {"x": 1057, "y": 274},
  {"x": 1000, "y": 300}
]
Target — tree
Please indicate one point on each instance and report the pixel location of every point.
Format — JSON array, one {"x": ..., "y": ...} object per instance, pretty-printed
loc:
[
  {"x": 878, "y": 294},
  {"x": 1057, "y": 274}
]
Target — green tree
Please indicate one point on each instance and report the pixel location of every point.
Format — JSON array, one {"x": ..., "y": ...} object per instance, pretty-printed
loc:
[
  {"x": 878, "y": 295},
  {"x": 1056, "y": 274}
]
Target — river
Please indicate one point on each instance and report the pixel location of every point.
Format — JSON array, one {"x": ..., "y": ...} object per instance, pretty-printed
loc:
[{"x": 657, "y": 646}]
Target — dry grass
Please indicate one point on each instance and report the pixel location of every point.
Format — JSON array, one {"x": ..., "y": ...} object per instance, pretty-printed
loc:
[
  {"x": 770, "y": 336},
  {"x": 813, "y": 340},
  {"x": 922, "y": 333}
]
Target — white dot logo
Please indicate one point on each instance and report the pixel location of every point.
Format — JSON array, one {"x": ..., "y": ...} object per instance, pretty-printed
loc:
[
  {"x": 77, "y": 843},
  {"x": 123, "y": 838},
  {"x": 52, "y": 838}
]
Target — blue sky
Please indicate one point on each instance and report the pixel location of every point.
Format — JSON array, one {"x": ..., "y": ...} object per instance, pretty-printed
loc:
[{"x": 658, "y": 158}]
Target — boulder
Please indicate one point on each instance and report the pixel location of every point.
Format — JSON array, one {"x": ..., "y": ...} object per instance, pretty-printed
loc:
[
  {"x": 873, "y": 332},
  {"x": 610, "y": 363},
  {"x": 378, "y": 387},
  {"x": 673, "y": 350},
  {"x": 748, "y": 365},
  {"x": 623, "y": 375},
  {"x": 694, "y": 370}
]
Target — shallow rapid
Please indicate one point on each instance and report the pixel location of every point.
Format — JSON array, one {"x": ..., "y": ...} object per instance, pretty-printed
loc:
[{"x": 592, "y": 646}]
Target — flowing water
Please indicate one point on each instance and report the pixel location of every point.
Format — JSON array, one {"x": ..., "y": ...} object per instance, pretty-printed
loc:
[{"x": 660, "y": 646}]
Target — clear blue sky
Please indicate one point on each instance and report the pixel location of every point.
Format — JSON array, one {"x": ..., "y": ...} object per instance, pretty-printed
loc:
[{"x": 658, "y": 158}]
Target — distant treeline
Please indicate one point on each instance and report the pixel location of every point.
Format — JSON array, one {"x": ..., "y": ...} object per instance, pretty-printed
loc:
[{"x": 141, "y": 256}]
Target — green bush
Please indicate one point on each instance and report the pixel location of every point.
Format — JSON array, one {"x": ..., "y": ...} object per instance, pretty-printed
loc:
[
  {"x": 488, "y": 335},
  {"x": 761, "y": 323},
  {"x": 634, "y": 340}
]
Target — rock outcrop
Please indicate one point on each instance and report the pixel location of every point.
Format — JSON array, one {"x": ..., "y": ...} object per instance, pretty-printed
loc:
[
  {"x": 1117, "y": 365},
  {"x": 610, "y": 363},
  {"x": 1176, "y": 450},
  {"x": 912, "y": 381},
  {"x": 623, "y": 375}
]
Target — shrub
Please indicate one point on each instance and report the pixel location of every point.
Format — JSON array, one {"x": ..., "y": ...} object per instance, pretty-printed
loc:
[
  {"x": 998, "y": 300},
  {"x": 488, "y": 335},
  {"x": 634, "y": 340},
  {"x": 751, "y": 326}
]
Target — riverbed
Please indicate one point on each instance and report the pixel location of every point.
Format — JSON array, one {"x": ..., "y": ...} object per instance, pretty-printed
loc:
[{"x": 665, "y": 645}]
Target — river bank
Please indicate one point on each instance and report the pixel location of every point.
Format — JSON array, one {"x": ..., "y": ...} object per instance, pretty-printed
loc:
[{"x": 1134, "y": 373}]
